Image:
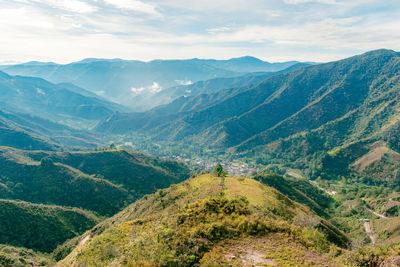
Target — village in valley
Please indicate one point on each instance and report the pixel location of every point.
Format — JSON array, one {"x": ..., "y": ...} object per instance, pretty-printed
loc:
[{"x": 232, "y": 168}]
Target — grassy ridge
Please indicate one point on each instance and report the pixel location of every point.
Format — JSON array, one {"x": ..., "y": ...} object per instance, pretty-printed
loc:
[{"x": 180, "y": 225}]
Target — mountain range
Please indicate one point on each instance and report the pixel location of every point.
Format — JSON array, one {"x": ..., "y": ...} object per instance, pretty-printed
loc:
[
  {"x": 37, "y": 96},
  {"x": 288, "y": 117},
  {"x": 63, "y": 194},
  {"x": 322, "y": 139},
  {"x": 128, "y": 81}
]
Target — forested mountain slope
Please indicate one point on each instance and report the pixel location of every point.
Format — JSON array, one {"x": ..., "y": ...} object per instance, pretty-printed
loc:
[
  {"x": 31, "y": 132},
  {"x": 292, "y": 117},
  {"x": 103, "y": 181},
  {"x": 41, "y": 227}
]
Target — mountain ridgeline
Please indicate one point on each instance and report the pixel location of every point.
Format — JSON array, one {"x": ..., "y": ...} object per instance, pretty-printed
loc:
[
  {"x": 321, "y": 142},
  {"x": 84, "y": 186},
  {"x": 102, "y": 181},
  {"x": 29, "y": 132},
  {"x": 37, "y": 96},
  {"x": 292, "y": 117},
  {"x": 208, "y": 220},
  {"x": 131, "y": 82}
]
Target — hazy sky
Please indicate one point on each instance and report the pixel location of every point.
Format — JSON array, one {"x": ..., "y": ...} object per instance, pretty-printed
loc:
[{"x": 274, "y": 30}]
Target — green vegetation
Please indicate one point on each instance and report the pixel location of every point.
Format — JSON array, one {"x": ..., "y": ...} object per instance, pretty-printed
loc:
[
  {"x": 185, "y": 223},
  {"x": 136, "y": 173},
  {"x": 299, "y": 190},
  {"x": 41, "y": 227},
  {"x": 100, "y": 181},
  {"x": 22, "y": 257},
  {"x": 335, "y": 124},
  {"x": 29, "y": 132},
  {"x": 219, "y": 170},
  {"x": 285, "y": 120},
  {"x": 49, "y": 182},
  {"x": 103, "y": 182},
  {"x": 24, "y": 140}
]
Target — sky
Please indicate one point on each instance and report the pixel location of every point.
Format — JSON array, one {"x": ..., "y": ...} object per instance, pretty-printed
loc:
[{"x": 64, "y": 31}]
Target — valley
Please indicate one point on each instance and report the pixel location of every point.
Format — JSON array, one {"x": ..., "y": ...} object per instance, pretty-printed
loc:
[{"x": 200, "y": 162}]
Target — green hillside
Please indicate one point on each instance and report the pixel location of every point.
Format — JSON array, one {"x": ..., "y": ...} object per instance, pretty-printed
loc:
[
  {"x": 206, "y": 220},
  {"x": 24, "y": 140},
  {"x": 308, "y": 119},
  {"x": 23, "y": 131},
  {"x": 135, "y": 172},
  {"x": 209, "y": 86},
  {"x": 22, "y": 257},
  {"x": 41, "y": 227},
  {"x": 103, "y": 181},
  {"x": 300, "y": 190}
]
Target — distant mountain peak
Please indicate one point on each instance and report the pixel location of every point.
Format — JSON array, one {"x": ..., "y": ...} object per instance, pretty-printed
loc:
[
  {"x": 91, "y": 60},
  {"x": 37, "y": 63},
  {"x": 247, "y": 59},
  {"x": 380, "y": 52}
]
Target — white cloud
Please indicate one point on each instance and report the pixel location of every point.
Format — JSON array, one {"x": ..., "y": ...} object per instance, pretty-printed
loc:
[
  {"x": 183, "y": 82},
  {"x": 219, "y": 29},
  {"x": 137, "y": 91},
  {"x": 268, "y": 29},
  {"x": 22, "y": 18},
  {"x": 69, "y": 5},
  {"x": 155, "y": 87},
  {"x": 295, "y": 2},
  {"x": 134, "y": 5}
]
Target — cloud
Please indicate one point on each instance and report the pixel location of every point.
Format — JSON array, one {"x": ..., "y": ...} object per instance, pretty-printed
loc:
[
  {"x": 134, "y": 5},
  {"x": 16, "y": 19},
  {"x": 138, "y": 90},
  {"x": 154, "y": 88},
  {"x": 219, "y": 29},
  {"x": 69, "y": 5},
  {"x": 183, "y": 82},
  {"x": 295, "y": 2},
  {"x": 269, "y": 29}
]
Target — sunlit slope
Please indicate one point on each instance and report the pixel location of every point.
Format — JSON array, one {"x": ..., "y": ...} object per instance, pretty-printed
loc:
[{"x": 182, "y": 225}]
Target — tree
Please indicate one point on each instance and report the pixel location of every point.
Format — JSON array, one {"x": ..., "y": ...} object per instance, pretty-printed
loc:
[
  {"x": 113, "y": 146},
  {"x": 219, "y": 170}
]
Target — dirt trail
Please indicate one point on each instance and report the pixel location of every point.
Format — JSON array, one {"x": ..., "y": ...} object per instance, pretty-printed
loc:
[
  {"x": 83, "y": 241},
  {"x": 373, "y": 237},
  {"x": 375, "y": 213},
  {"x": 34, "y": 263},
  {"x": 76, "y": 251}
]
